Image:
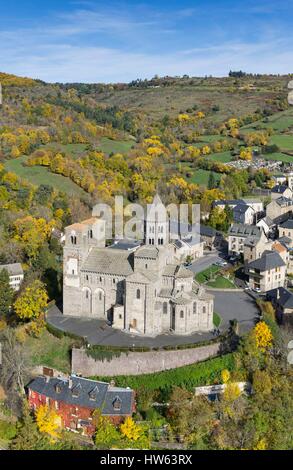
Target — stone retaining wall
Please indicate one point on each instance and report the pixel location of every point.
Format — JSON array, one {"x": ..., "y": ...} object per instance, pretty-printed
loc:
[{"x": 137, "y": 363}]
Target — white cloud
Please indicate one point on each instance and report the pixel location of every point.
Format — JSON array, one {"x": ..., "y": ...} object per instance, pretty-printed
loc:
[{"x": 59, "y": 53}]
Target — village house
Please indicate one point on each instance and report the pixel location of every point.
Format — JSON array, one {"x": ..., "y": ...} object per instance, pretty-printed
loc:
[
  {"x": 281, "y": 190},
  {"x": 267, "y": 225},
  {"x": 243, "y": 214},
  {"x": 267, "y": 272},
  {"x": 76, "y": 399},
  {"x": 279, "y": 210},
  {"x": 256, "y": 204},
  {"x": 210, "y": 237},
  {"x": 238, "y": 233},
  {"x": 282, "y": 300},
  {"x": 16, "y": 274},
  {"x": 286, "y": 229},
  {"x": 254, "y": 246}
]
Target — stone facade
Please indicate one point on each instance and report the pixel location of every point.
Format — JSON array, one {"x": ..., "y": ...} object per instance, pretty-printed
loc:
[
  {"x": 141, "y": 290},
  {"x": 280, "y": 209},
  {"x": 268, "y": 272}
]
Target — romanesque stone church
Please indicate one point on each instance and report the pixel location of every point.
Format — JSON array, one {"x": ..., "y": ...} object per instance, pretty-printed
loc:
[{"x": 140, "y": 287}]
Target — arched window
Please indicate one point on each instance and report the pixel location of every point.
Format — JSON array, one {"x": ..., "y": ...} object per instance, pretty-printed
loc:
[
  {"x": 73, "y": 240},
  {"x": 181, "y": 314},
  {"x": 165, "y": 307},
  {"x": 204, "y": 309},
  {"x": 87, "y": 295},
  {"x": 194, "y": 308},
  {"x": 100, "y": 296},
  {"x": 138, "y": 294}
]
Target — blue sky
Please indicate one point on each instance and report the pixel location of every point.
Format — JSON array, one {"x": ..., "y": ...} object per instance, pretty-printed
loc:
[{"x": 117, "y": 41}]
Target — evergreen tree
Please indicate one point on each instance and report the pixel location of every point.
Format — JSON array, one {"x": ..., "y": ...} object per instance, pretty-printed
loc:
[
  {"x": 6, "y": 294},
  {"x": 212, "y": 181}
]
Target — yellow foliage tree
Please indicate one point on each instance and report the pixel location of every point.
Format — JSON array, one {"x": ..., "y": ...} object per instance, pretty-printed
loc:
[
  {"x": 263, "y": 336},
  {"x": 48, "y": 422},
  {"x": 14, "y": 152},
  {"x": 225, "y": 374},
  {"x": 131, "y": 430},
  {"x": 31, "y": 302}
]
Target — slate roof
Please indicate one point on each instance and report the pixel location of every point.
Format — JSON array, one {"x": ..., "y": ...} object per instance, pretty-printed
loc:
[
  {"x": 143, "y": 277},
  {"x": 85, "y": 393},
  {"x": 241, "y": 209},
  {"x": 279, "y": 189},
  {"x": 176, "y": 270},
  {"x": 268, "y": 260},
  {"x": 228, "y": 202},
  {"x": 126, "y": 244},
  {"x": 107, "y": 261},
  {"x": 147, "y": 251},
  {"x": 206, "y": 231},
  {"x": 287, "y": 224},
  {"x": 281, "y": 297},
  {"x": 244, "y": 230},
  {"x": 284, "y": 201},
  {"x": 14, "y": 269},
  {"x": 267, "y": 220}
]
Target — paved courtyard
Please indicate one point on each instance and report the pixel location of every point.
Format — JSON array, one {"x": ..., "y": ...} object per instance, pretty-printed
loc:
[{"x": 228, "y": 305}]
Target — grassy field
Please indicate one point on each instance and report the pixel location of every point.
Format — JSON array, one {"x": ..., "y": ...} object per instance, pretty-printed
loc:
[
  {"x": 205, "y": 275},
  {"x": 221, "y": 283},
  {"x": 75, "y": 150},
  {"x": 285, "y": 142},
  {"x": 38, "y": 175},
  {"x": 50, "y": 351},
  {"x": 115, "y": 146},
  {"x": 279, "y": 122},
  {"x": 223, "y": 157},
  {"x": 201, "y": 177},
  {"x": 279, "y": 156}
]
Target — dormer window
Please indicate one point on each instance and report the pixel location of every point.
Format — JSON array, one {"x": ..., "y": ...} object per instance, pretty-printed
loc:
[
  {"x": 117, "y": 404},
  {"x": 58, "y": 388},
  {"x": 76, "y": 391},
  {"x": 93, "y": 394}
]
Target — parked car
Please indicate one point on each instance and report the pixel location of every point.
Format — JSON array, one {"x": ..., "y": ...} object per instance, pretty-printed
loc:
[
  {"x": 221, "y": 263},
  {"x": 256, "y": 289}
]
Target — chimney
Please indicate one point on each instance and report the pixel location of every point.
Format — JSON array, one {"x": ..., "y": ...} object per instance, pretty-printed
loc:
[
  {"x": 278, "y": 293},
  {"x": 70, "y": 382},
  {"x": 112, "y": 384}
]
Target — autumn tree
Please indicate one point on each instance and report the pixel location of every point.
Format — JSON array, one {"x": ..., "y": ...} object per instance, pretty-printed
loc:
[
  {"x": 32, "y": 302},
  {"x": 6, "y": 294},
  {"x": 48, "y": 422}
]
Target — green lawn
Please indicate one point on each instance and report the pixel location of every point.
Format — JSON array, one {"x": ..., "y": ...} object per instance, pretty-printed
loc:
[
  {"x": 38, "y": 175},
  {"x": 75, "y": 150},
  {"x": 279, "y": 122},
  {"x": 50, "y": 351},
  {"x": 278, "y": 156},
  {"x": 115, "y": 146},
  {"x": 283, "y": 141},
  {"x": 223, "y": 157},
  {"x": 205, "y": 275},
  {"x": 201, "y": 177},
  {"x": 221, "y": 283}
]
